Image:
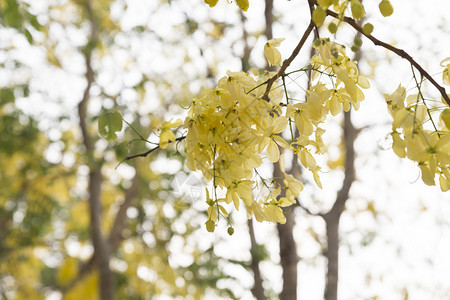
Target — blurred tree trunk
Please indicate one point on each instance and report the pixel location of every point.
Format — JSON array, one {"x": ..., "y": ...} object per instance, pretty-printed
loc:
[
  {"x": 288, "y": 250},
  {"x": 333, "y": 216},
  {"x": 258, "y": 289},
  {"x": 268, "y": 14},
  {"x": 101, "y": 246}
]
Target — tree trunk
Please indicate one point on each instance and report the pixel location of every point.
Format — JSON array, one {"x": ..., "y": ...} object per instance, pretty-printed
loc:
[
  {"x": 101, "y": 247},
  {"x": 288, "y": 257},
  {"x": 257, "y": 290},
  {"x": 332, "y": 255},
  {"x": 268, "y": 14},
  {"x": 333, "y": 216},
  {"x": 288, "y": 249}
]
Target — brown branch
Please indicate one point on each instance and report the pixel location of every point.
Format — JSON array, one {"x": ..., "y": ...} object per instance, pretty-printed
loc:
[
  {"x": 399, "y": 52},
  {"x": 257, "y": 289},
  {"x": 144, "y": 154},
  {"x": 333, "y": 216},
  {"x": 268, "y": 18},
  {"x": 101, "y": 254},
  {"x": 289, "y": 60},
  {"x": 115, "y": 235},
  {"x": 288, "y": 249},
  {"x": 311, "y": 10}
]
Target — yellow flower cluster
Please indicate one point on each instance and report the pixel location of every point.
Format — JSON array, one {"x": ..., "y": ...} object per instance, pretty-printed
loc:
[
  {"x": 232, "y": 127},
  {"x": 429, "y": 148},
  {"x": 228, "y": 130}
]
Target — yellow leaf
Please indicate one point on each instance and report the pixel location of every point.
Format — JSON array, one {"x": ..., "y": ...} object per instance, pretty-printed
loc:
[
  {"x": 398, "y": 145},
  {"x": 444, "y": 183},
  {"x": 272, "y": 54},
  {"x": 275, "y": 214},
  {"x": 319, "y": 15},
  {"x": 87, "y": 288},
  {"x": 317, "y": 178},
  {"x": 368, "y": 28},
  {"x": 307, "y": 159},
  {"x": 210, "y": 226},
  {"x": 427, "y": 175},
  {"x": 211, "y": 3},
  {"x": 293, "y": 184},
  {"x": 223, "y": 211},
  {"x": 68, "y": 270},
  {"x": 357, "y": 9},
  {"x": 243, "y": 4},
  {"x": 272, "y": 151},
  {"x": 386, "y": 8},
  {"x": 280, "y": 141},
  {"x": 325, "y": 3},
  {"x": 445, "y": 116}
]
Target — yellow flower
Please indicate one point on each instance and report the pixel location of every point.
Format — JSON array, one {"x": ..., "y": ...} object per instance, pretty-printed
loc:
[
  {"x": 274, "y": 214},
  {"x": 272, "y": 54},
  {"x": 167, "y": 135},
  {"x": 446, "y": 72},
  {"x": 242, "y": 190},
  {"x": 293, "y": 185},
  {"x": 444, "y": 180},
  {"x": 256, "y": 210},
  {"x": 398, "y": 145}
]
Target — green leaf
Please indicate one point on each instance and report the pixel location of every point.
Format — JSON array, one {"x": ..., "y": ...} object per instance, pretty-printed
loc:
[
  {"x": 28, "y": 36},
  {"x": 6, "y": 95},
  {"x": 109, "y": 124}
]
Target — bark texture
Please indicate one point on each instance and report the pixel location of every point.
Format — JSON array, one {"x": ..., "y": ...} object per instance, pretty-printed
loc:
[
  {"x": 288, "y": 249},
  {"x": 333, "y": 216},
  {"x": 101, "y": 254},
  {"x": 258, "y": 289}
]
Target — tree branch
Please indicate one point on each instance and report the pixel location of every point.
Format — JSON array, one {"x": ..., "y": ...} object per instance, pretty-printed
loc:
[
  {"x": 144, "y": 154},
  {"x": 115, "y": 235},
  {"x": 399, "y": 52},
  {"x": 289, "y": 60},
  {"x": 101, "y": 254},
  {"x": 258, "y": 289}
]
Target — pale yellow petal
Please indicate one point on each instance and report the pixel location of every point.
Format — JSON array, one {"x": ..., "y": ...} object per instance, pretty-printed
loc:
[{"x": 272, "y": 151}]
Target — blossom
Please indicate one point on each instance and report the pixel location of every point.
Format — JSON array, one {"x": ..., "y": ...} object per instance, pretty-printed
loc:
[
  {"x": 272, "y": 54},
  {"x": 167, "y": 135}
]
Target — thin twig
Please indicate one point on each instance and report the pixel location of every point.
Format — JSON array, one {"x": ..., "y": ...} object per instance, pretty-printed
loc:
[
  {"x": 288, "y": 61},
  {"x": 399, "y": 52},
  {"x": 144, "y": 154}
]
